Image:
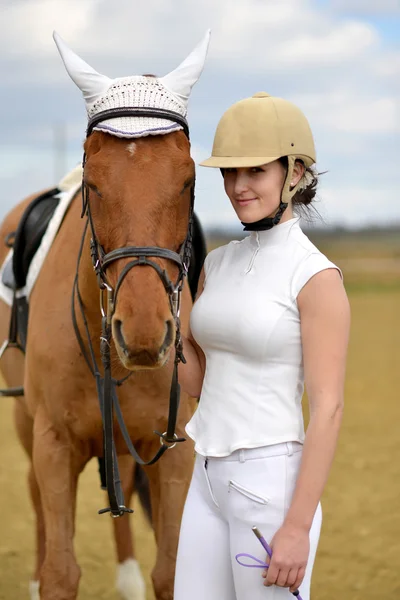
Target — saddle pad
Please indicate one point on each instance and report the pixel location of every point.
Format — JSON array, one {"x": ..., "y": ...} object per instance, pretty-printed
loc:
[{"x": 65, "y": 199}]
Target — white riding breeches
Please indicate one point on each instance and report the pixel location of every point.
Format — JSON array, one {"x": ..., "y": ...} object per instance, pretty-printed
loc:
[{"x": 226, "y": 498}]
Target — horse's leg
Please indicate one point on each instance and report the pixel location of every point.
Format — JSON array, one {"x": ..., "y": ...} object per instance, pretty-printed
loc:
[
  {"x": 40, "y": 534},
  {"x": 169, "y": 483},
  {"x": 57, "y": 463},
  {"x": 24, "y": 428},
  {"x": 130, "y": 582}
]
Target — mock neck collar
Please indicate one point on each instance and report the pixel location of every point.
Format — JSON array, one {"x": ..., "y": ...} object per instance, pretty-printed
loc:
[{"x": 277, "y": 235}]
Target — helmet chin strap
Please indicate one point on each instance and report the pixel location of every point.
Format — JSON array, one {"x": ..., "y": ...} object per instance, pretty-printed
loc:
[{"x": 286, "y": 195}]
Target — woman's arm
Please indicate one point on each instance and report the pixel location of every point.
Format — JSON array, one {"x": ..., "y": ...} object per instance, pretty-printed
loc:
[
  {"x": 325, "y": 323},
  {"x": 191, "y": 374}
]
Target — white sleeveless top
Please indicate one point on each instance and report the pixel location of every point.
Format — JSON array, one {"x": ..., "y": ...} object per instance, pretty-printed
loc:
[{"x": 248, "y": 325}]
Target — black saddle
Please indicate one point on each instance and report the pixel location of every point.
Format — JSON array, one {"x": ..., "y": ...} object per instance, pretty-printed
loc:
[{"x": 25, "y": 241}]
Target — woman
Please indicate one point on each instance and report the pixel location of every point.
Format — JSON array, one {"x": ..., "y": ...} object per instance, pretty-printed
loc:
[{"x": 271, "y": 314}]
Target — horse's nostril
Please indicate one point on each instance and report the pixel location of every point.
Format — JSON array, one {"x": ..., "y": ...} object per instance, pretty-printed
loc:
[
  {"x": 169, "y": 336},
  {"x": 118, "y": 334}
]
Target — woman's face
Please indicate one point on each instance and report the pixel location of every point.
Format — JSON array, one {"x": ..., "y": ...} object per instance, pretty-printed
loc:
[{"x": 255, "y": 192}]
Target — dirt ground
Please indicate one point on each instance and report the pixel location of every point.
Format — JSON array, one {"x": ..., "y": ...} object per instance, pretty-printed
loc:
[{"x": 359, "y": 552}]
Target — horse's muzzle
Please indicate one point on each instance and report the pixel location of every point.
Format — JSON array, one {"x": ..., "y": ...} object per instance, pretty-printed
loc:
[{"x": 142, "y": 356}]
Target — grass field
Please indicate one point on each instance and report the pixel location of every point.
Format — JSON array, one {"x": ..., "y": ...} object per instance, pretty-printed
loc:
[{"x": 359, "y": 552}]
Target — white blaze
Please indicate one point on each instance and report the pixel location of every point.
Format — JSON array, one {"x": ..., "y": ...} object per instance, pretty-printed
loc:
[{"x": 131, "y": 148}]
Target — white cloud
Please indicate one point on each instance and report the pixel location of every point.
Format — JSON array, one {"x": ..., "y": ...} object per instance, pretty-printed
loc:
[
  {"x": 29, "y": 25},
  {"x": 252, "y": 33},
  {"x": 349, "y": 112},
  {"x": 368, "y": 7},
  {"x": 377, "y": 116},
  {"x": 387, "y": 66},
  {"x": 337, "y": 44},
  {"x": 353, "y": 206}
]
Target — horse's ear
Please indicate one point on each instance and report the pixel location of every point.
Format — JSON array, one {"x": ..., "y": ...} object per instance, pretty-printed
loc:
[
  {"x": 91, "y": 83},
  {"x": 182, "y": 79}
]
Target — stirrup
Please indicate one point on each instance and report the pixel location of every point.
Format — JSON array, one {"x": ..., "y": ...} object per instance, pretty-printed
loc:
[
  {"x": 7, "y": 344},
  {"x": 15, "y": 391}
]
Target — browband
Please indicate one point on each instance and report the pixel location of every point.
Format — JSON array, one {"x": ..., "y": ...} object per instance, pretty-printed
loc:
[{"x": 157, "y": 113}]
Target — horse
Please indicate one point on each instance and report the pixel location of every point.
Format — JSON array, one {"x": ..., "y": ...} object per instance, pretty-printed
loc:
[{"x": 138, "y": 194}]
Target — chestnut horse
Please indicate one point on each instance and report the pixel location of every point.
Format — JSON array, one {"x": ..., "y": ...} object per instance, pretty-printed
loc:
[{"x": 139, "y": 195}]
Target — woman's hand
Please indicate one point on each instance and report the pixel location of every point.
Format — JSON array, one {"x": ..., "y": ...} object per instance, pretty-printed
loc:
[{"x": 290, "y": 549}]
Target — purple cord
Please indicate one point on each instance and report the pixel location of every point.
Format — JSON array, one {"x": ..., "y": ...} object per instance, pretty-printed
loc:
[{"x": 261, "y": 564}]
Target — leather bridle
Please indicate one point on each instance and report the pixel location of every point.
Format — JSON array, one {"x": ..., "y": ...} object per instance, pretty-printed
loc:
[{"x": 142, "y": 256}]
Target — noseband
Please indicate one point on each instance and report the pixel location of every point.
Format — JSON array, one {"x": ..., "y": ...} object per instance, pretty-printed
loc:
[{"x": 142, "y": 256}]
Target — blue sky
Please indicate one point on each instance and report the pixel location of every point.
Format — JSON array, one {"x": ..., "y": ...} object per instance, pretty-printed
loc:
[
  {"x": 339, "y": 61},
  {"x": 389, "y": 27}
]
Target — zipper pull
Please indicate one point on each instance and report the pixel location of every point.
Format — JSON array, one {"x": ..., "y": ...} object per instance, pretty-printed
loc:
[
  {"x": 256, "y": 251},
  {"x": 206, "y": 463}
]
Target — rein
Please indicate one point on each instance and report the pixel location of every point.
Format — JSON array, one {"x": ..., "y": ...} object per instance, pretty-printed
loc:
[{"x": 106, "y": 385}]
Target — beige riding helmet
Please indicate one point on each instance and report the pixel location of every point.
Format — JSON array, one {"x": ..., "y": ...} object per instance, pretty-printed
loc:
[{"x": 258, "y": 130}]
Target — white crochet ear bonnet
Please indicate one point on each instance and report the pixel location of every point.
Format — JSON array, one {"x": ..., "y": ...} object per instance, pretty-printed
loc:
[
  {"x": 138, "y": 92},
  {"x": 170, "y": 92}
]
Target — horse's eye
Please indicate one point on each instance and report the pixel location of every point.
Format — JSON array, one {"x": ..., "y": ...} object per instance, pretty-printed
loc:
[
  {"x": 189, "y": 183},
  {"x": 94, "y": 189}
]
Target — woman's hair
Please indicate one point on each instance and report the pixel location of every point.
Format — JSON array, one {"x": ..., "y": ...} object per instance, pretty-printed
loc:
[{"x": 303, "y": 198}]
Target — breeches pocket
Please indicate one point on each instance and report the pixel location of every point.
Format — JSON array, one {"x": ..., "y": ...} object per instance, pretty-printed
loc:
[
  {"x": 257, "y": 489},
  {"x": 247, "y": 502},
  {"x": 234, "y": 486}
]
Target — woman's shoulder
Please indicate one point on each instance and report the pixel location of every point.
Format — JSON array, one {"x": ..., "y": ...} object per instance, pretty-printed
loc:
[
  {"x": 303, "y": 243},
  {"x": 216, "y": 255},
  {"x": 310, "y": 261}
]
